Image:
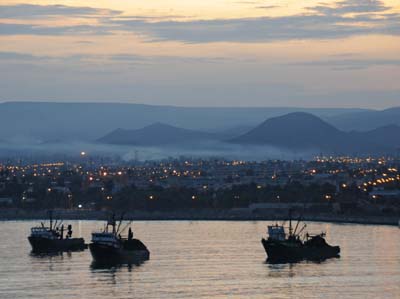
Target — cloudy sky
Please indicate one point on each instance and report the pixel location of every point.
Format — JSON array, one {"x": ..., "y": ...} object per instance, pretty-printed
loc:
[{"x": 202, "y": 53}]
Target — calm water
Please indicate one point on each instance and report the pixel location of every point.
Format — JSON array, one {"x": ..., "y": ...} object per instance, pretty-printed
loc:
[{"x": 205, "y": 260}]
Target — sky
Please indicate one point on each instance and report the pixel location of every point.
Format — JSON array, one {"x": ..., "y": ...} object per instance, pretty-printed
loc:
[{"x": 202, "y": 53}]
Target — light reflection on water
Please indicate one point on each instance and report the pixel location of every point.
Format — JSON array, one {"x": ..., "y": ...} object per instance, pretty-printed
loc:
[{"x": 205, "y": 260}]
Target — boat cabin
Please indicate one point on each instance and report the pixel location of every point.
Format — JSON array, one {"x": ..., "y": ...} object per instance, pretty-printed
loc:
[
  {"x": 42, "y": 232},
  {"x": 105, "y": 238},
  {"x": 276, "y": 232}
]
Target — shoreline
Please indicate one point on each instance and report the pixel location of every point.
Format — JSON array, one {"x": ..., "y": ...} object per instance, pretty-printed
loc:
[{"x": 201, "y": 215}]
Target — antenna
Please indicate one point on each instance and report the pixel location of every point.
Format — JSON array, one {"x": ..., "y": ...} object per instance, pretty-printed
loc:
[
  {"x": 62, "y": 232},
  {"x": 126, "y": 226},
  {"x": 298, "y": 221},
  {"x": 304, "y": 226},
  {"x": 290, "y": 222},
  {"x": 297, "y": 225},
  {"x": 51, "y": 219},
  {"x": 120, "y": 221},
  {"x": 113, "y": 222}
]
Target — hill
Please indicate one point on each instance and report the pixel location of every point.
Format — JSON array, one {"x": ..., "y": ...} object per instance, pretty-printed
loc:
[
  {"x": 365, "y": 120},
  {"x": 304, "y": 131},
  {"x": 294, "y": 131},
  {"x": 383, "y": 137},
  {"x": 154, "y": 135},
  {"x": 36, "y": 122}
]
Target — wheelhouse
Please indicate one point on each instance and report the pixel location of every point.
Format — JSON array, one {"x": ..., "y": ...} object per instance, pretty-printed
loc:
[
  {"x": 276, "y": 232},
  {"x": 42, "y": 232}
]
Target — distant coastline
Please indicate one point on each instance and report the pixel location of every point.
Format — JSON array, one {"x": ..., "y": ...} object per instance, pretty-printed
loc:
[{"x": 201, "y": 215}]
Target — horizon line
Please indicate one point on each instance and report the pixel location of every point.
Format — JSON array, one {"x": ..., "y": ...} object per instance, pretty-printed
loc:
[{"x": 193, "y": 107}]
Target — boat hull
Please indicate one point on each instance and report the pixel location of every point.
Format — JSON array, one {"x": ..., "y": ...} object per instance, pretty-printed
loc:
[
  {"x": 104, "y": 254},
  {"x": 287, "y": 251},
  {"x": 43, "y": 245}
]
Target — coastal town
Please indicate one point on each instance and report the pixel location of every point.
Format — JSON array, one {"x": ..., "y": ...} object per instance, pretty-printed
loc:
[{"x": 352, "y": 186}]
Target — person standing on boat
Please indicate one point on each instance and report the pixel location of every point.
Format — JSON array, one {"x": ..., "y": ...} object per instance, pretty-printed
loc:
[
  {"x": 69, "y": 233},
  {"x": 130, "y": 234}
]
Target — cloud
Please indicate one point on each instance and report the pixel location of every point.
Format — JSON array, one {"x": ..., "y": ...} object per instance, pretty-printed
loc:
[
  {"x": 44, "y": 12},
  {"x": 345, "y": 61},
  {"x": 267, "y": 6},
  {"x": 20, "y": 56},
  {"x": 165, "y": 59},
  {"x": 265, "y": 28},
  {"x": 22, "y": 29},
  {"x": 40, "y": 11},
  {"x": 84, "y": 42},
  {"x": 247, "y": 2},
  {"x": 349, "y": 64},
  {"x": 125, "y": 58},
  {"x": 24, "y": 59},
  {"x": 321, "y": 22},
  {"x": 351, "y": 6}
]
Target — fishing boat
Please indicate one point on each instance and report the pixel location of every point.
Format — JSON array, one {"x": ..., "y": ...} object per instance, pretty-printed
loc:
[
  {"x": 51, "y": 238},
  {"x": 109, "y": 247},
  {"x": 294, "y": 246}
]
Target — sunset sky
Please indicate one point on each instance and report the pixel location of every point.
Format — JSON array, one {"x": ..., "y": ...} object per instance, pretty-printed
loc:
[{"x": 202, "y": 53}]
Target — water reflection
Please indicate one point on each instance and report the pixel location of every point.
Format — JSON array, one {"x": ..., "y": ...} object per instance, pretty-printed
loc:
[
  {"x": 113, "y": 266},
  {"x": 295, "y": 261},
  {"x": 44, "y": 255},
  {"x": 229, "y": 261},
  {"x": 52, "y": 261},
  {"x": 113, "y": 273},
  {"x": 281, "y": 270}
]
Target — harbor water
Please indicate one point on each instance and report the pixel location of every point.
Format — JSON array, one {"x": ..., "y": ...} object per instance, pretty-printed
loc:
[{"x": 204, "y": 259}]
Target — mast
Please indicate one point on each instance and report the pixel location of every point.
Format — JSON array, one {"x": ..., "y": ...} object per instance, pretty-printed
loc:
[
  {"x": 51, "y": 219},
  {"x": 304, "y": 226},
  {"x": 290, "y": 222},
  {"x": 113, "y": 223},
  {"x": 297, "y": 224},
  {"x": 126, "y": 226},
  {"x": 120, "y": 222}
]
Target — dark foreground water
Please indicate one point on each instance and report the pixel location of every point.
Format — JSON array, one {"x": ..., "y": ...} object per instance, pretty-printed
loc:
[{"x": 205, "y": 260}]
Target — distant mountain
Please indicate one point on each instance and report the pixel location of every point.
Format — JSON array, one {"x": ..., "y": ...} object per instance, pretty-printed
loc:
[
  {"x": 233, "y": 132},
  {"x": 295, "y": 130},
  {"x": 383, "y": 137},
  {"x": 36, "y": 122},
  {"x": 155, "y": 135},
  {"x": 365, "y": 120},
  {"x": 304, "y": 131}
]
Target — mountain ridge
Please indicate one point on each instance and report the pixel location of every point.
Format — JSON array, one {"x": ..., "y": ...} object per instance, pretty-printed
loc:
[
  {"x": 304, "y": 131},
  {"x": 155, "y": 134},
  {"x": 44, "y": 121},
  {"x": 40, "y": 122}
]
